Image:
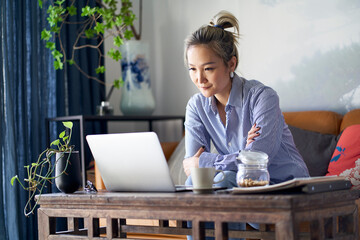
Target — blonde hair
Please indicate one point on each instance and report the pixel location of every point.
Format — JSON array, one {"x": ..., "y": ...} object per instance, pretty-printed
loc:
[{"x": 222, "y": 42}]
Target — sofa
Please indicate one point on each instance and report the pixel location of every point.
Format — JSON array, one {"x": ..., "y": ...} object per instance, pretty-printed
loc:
[{"x": 316, "y": 134}]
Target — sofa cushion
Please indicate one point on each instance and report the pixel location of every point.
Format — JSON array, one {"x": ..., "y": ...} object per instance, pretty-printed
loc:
[
  {"x": 350, "y": 118},
  {"x": 347, "y": 151},
  {"x": 315, "y": 148},
  {"x": 175, "y": 164},
  {"x": 326, "y": 122}
]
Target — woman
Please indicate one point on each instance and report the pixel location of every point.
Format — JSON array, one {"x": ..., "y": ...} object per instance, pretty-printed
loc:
[
  {"x": 232, "y": 112},
  {"x": 228, "y": 106}
]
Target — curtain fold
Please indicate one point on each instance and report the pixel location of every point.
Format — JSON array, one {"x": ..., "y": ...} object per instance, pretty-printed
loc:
[
  {"x": 27, "y": 97},
  {"x": 77, "y": 94},
  {"x": 30, "y": 92}
]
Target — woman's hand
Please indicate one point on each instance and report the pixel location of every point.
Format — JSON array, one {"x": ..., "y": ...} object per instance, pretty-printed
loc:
[
  {"x": 252, "y": 134},
  {"x": 193, "y": 161}
]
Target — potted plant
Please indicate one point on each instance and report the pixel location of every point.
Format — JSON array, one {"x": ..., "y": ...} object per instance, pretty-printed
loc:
[{"x": 44, "y": 170}]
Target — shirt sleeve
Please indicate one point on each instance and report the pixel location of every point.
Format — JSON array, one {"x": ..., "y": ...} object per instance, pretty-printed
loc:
[
  {"x": 219, "y": 162},
  {"x": 196, "y": 135},
  {"x": 268, "y": 116}
]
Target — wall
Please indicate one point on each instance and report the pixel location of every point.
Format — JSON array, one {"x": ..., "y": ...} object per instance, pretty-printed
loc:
[{"x": 308, "y": 51}]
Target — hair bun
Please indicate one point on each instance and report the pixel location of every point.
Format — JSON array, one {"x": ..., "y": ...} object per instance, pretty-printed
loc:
[{"x": 225, "y": 19}]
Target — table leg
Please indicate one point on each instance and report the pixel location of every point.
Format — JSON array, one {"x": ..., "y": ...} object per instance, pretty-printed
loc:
[
  {"x": 317, "y": 229},
  {"x": 89, "y": 225},
  {"x": 44, "y": 222},
  {"x": 284, "y": 230},
  {"x": 73, "y": 224},
  {"x": 198, "y": 230},
  {"x": 112, "y": 228},
  {"x": 221, "y": 230}
]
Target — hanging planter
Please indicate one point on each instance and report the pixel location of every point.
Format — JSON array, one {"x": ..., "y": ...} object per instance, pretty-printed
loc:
[{"x": 136, "y": 94}]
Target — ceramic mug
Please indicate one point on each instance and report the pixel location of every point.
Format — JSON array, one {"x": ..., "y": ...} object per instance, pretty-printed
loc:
[{"x": 203, "y": 178}]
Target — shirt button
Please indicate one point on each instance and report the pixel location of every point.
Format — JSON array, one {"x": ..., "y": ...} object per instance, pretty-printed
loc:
[{"x": 229, "y": 144}]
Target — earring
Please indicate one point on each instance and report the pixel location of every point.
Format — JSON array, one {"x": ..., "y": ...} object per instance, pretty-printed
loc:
[{"x": 231, "y": 74}]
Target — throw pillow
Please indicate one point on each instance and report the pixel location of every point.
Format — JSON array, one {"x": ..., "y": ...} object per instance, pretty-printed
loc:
[
  {"x": 347, "y": 151},
  {"x": 353, "y": 174},
  {"x": 315, "y": 148}
]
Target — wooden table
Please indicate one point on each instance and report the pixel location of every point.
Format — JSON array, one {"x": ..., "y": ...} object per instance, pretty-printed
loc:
[{"x": 331, "y": 215}]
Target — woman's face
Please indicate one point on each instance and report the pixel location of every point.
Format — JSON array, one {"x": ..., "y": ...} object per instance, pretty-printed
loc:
[{"x": 208, "y": 71}]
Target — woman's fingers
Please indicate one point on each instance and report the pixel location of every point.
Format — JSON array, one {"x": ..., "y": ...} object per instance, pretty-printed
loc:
[
  {"x": 191, "y": 162},
  {"x": 200, "y": 151},
  {"x": 252, "y": 134}
]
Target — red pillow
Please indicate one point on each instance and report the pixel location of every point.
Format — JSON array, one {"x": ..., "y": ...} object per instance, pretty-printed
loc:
[{"x": 347, "y": 151}]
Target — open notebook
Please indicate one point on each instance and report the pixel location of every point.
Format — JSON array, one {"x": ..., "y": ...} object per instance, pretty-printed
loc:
[{"x": 307, "y": 185}]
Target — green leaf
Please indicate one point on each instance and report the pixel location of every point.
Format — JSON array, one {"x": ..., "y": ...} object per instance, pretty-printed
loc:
[
  {"x": 58, "y": 65},
  {"x": 56, "y": 142},
  {"x": 57, "y": 55},
  {"x": 118, "y": 82},
  {"x": 62, "y": 134},
  {"x": 40, "y": 5},
  {"x": 46, "y": 35},
  {"x": 59, "y": 2},
  {"x": 100, "y": 69},
  {"x": 100, "y": 28},
  {"x": 68, "y": 124},
  {"x": 55, "y": 29},
  {"x": 72, "y": 10},
  {"x": 109, "y": 25},
  {"x": 118, "y": 21},
  {"x": 128, "y": 34},
  {"x": 114, "y": 54},
  {"x": 101, "y": 11},
  {"x": 87, "y": 11},
  {"x": 89, "y": 33},
  {"x": 128, "y": 20},
  {"x": 13, "y": 179},
  {"x": 118, "y": 41},
  {"x": 50, "y": 45},
  {"x": 71, "y": 61}
]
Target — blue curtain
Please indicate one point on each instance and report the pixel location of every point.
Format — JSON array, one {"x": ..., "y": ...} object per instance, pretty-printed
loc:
[
  {"x": 77, "y": 94},
  {"x": 30, "y": 92},
  {"x": 71, "y": 82},
  {"x": 28, "y": 96}
]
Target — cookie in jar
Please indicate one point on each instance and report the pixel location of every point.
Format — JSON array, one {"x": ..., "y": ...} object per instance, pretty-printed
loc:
[{"x": 252, "y": 169}]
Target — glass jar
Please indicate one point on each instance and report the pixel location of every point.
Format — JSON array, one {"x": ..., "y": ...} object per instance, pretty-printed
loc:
[{"x": 252, "y": 169}]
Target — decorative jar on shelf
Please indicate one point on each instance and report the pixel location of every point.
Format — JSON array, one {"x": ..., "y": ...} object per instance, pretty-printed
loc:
[{"x": 136, "y": 94}]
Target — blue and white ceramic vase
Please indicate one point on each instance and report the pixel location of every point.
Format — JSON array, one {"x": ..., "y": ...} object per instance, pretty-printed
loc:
[{"x": 136, "y": 94}]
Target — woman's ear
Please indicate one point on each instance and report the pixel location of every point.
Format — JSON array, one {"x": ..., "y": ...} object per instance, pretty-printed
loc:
[{"x": 232, "y": 64}]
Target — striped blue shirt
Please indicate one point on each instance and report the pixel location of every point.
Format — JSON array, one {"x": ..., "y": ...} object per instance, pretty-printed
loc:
[{"x": 249, "y": 102}]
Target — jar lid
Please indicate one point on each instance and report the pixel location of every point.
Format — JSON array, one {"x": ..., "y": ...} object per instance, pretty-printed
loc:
[{"x": 253, "y": 157}]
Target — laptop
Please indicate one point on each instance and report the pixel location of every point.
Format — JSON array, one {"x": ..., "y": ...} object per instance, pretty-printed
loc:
[{"x": 132, "y": 162}]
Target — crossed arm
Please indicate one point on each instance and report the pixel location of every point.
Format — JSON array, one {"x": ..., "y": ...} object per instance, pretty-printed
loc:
[{"x": 194, "y": 160}]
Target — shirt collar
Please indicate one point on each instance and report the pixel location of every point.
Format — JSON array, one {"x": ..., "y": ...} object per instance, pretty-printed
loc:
[
  {"x": 235, "y": 98},
  {"x": 236, "y": 93}
]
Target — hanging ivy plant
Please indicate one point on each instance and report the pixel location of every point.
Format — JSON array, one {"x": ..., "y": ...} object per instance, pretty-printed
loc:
[{"x": 100, "y": 19}]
